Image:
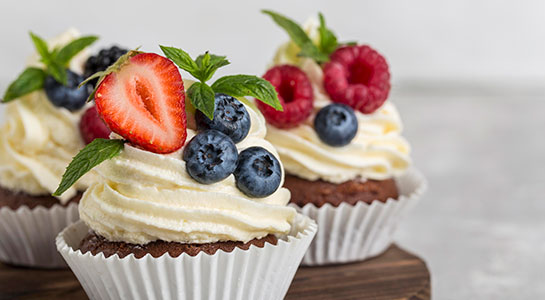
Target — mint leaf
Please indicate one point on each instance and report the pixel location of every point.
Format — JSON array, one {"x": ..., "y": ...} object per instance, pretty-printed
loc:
[
  {"x": 248, "y": 85},
  {"x": 113, "y": 68},
  {"x": 328, "y": 40},
  {"x": 30, "y": 80},
  {"x": 298, "y": 36},
  {"x": 58, "y": 72},
  {"x": 203, "y": 98},
  {"x": 203, "y": 60},
  {"x": 52, "y": 67},
  {"x": 182, "y": 60},
  {"x": 89, "y": 157},
  {"x": 209, "y": 64},
  {"x": 66, "y": 53},
  {"x": 217, "y": 60},
  {"x": 41, "y": 47}
]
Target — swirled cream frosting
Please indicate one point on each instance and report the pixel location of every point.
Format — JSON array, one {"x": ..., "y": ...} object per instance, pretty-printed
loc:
[
  {"x": 142, "y": 196},
  {"x": 377, "y": 152},
  {"x": 38, "y": 140}
]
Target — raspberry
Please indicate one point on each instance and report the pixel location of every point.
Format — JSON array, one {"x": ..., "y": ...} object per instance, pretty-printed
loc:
[
  {"x": 92, "y": 127},
  {"x": 295, "y": 94},
  {"x": 357, "y": 76}
]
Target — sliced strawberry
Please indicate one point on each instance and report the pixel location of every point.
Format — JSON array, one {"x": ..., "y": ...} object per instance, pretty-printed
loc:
[{"x": 144, "y": 103}]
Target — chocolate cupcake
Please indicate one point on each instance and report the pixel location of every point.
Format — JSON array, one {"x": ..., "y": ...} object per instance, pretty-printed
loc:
[
  {"x": 339, "y": 138},
  {"x": 37, "y": 141},
  {"x": 207, "y": 216}
]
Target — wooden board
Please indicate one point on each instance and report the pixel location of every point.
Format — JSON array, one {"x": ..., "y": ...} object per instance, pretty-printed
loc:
[{"x": 396, "y": 274}]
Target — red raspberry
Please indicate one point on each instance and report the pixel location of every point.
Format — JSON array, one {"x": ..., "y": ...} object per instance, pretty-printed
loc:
[
  {"x": 357, "y": 76},
  {"x": 295, "y": 94},
  {"x": 92, "y": 127}
]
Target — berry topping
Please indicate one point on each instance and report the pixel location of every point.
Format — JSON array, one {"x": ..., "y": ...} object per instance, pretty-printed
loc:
[
  {"x": 143, "y": 101},
  {"x": 258, "y": 173},
  {"x": 230, "y": 118},
  {"x": 295, "y": 94},
  {"x": 357, "y": 76},
  {"x": 68, "y": 96},
  {"x": 210, "y": 156},
  {"x": 92, "y": 127},
  {"x": 101, "y": 61},
  {"x": 336, "y": 124}
]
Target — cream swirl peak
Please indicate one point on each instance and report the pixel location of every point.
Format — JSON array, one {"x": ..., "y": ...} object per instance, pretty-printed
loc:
[
  {"x": 142, "y": 196},
  {"x": 378, "y": 151},
  {"x": 38, "y": 139}
]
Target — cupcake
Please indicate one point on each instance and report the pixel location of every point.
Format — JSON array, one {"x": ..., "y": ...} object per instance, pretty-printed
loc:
[
  {"x": 339, "y": 138},
  {"x": 37, "y": 141},
  {"x": 171, "y": 219}
]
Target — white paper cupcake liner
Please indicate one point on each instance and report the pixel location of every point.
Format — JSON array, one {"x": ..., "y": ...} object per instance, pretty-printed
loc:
[
  {"x": 350, "y": 233},
  {"x": 27, "y": 236},
  {"x": 256, "y": 273}
]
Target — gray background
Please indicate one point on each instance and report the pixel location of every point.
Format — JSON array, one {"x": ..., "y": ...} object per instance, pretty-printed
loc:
[{"x": 468, "y": 79}]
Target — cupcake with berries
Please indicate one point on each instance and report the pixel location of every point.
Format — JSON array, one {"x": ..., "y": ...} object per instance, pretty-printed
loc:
[
  {"x": 47, "y": 122},
  {"x": 339, "y": 138},
  {"x": 188, "y": 202}
]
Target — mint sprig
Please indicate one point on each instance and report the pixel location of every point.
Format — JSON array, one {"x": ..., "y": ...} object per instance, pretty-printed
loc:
[
  {"x": 327, "y": 44},
  {"x": 298, "y": 36},
  {"x": 203, "y": 68},
  {"x": 89, "y": 157},
  {"x": 55, "y": 64},
  {"x": 328, "y": 40}
]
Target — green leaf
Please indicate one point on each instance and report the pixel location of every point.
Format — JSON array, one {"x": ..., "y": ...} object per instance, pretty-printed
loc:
[
  {"x": 203, "y": 60},
  {"x": 52, "y": 67},
  {"x": 218, "y": 61},
  {"x": 67, "y": 52},
  {"x": 298, "y": 36},
  {"x": 328, "y": 40},
  {"x": 58, "y": 72},
  {"x": 209, "y": 64},
  {"x": 181, "y": 59},
  {"x": 41, "y": 47},
  {"x": 203, "y": 98},
  {"x": 30, "y": 80},
  {"x": 89, "y": 157},
  {"x": 113, "y": 68},
  {"x": 248, "y": 85}
]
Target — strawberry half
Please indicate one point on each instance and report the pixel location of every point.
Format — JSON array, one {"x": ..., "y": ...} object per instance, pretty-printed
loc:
[{"x": 143, "y": 102}]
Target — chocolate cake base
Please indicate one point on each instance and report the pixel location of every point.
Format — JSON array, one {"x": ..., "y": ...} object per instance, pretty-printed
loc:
[
  {"x": 321, "y": 192},
  {"x": 98, "y": 244},
  {"x": 14, "y": 200}
]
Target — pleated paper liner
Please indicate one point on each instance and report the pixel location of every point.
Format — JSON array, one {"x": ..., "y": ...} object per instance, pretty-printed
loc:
[
  {"x": 27, "y": 236},
  {"x": 256, "y": 273},
  {"x": 349, "y": 233}
]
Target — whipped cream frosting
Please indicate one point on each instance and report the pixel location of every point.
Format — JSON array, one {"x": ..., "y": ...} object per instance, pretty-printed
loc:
[
  {"x": 377, "y": 152},
  {"x": 142, "y": 196},
  {"x": 38, "y": 140}
]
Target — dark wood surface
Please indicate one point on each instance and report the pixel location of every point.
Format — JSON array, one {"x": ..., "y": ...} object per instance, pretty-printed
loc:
[{"x": 396, "y": 274}]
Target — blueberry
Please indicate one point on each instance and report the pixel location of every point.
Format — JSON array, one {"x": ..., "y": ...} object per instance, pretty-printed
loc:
[
  {"x": 210, "y": 156},
  {"x": 258, "y": 173},
  {"x": 230, "y": 117},
  {"x": 336, "y": 124},
  {"x": 68, "y": 96}
]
